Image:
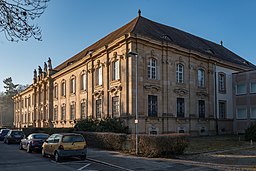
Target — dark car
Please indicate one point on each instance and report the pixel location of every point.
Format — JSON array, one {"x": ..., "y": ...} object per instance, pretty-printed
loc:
[
  {"x": 33, "y": 142},
  {"x": 3, "y": 133},
  {"x": 13, "y": 136}
]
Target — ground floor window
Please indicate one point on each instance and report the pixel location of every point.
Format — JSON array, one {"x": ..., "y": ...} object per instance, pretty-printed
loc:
[
  {"x": 152, "y": 106},
  {"x": 241, "y": 113},
  {"x": 180, "y": 107},
  {"x": 222, "y": 109},
  {"x": 115, "y": 106},
  {"x": 83, "y": 110},
  {"x": 98, "y": 108},
  {"x": 201, "y": 108},
  {"x": 72, "y": 111}
]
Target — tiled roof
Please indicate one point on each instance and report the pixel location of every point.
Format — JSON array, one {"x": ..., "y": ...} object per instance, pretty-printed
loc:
[{"x": 147, "y": 28}]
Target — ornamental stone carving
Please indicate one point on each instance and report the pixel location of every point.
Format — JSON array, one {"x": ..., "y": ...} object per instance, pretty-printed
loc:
[
  {"x": 202, "y": 94},
  {"x": 152, "y": 87},
  {"x": 181, "y": 91},
  {"x": 98, "y": 94},
  {"x": 115, "y": 90}
]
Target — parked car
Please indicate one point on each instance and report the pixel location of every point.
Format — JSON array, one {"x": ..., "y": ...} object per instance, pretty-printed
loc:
[
  {"x": 3, "y": 133},
  {"x": 33, "y": 142},
  {"x": 65, "y": 145},
  {"x": 13, "y": 136}
]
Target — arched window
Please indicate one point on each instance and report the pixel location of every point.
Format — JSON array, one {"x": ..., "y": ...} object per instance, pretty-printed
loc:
[
  {"x": 180, "y": 73},
  {"x": 73, "y": 85},
  {"x": 83, "y": 81},
  {"x": 63, "y": 88},
  {"x": 201, "y": 78},
  {"x": 152, "y": 68}
]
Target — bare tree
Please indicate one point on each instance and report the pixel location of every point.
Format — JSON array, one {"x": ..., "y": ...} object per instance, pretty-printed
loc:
[{"x": 16, "y": 18}]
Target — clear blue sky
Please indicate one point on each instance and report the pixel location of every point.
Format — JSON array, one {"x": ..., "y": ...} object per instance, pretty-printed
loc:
[{"x": 69, "y": 26}]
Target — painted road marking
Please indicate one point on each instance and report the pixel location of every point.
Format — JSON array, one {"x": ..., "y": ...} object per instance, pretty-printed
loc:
[{"x": 84, "y": 166}]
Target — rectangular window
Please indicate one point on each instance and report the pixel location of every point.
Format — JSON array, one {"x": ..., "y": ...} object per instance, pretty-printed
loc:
[
  {"x": 222, "y": 82},
  {"x": 152, "y": 106},
  {"x": 200, "y": 78},
  {"x": 241, "y": 113},
  {"x": 55, "y": 111},
  {"x": 83, "y": 110},
  {"x": 253, "y": 112},
  {"x": 99, "y": 76},
  {"x": 180, "y": 107},
  {"x": 55, "y": 91},
  {"x": 201, "y": 108},
  {"x": 241, "y": 89},
  {"x": 63, "y": 89},
  {"x": 98, "y": 108},
  {"x": 253, "y": 87},
  {"x": 116, "y": 70},
  {"x": 152, "y": 67},
  {"x": 72, "y": 111},
  {"x": 63, "y": 112},
  {"x": 179, "y": 73},
  {"x": 115, "y": 106},
  {"x": 83, "y": 82},
  {"x": 222, "y": 109}
]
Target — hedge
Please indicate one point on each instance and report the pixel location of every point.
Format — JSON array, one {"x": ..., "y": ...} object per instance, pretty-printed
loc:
[{"x": 162, "y": 145}]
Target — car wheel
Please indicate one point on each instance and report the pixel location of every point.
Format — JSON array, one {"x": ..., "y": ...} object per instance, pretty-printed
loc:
[
  {"x": 21, "y": 148},
  {"x": 83, "y": 157},
  {"x": 57, "y": 157},
  {"x": 43, "y": 153},
  {"x": 28, "y": 149}
]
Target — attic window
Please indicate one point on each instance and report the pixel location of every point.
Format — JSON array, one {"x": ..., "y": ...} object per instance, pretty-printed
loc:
[
  {"x": 70, "y": 63},
  {"x": 166, "y": 37},
  {"x": 210, "y": 51},
  {"x": 246, "y": 62}
]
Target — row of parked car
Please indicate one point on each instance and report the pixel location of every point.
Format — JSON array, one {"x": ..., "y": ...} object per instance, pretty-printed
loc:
[{"x": 58, "y": 145}]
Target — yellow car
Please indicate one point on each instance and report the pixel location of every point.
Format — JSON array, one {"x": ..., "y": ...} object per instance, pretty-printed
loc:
[{"x": 65, "y": 145}]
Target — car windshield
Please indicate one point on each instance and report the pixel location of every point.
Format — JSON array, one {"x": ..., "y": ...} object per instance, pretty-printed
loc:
[
  {"x": 72, "y": 138},
  {"x": 40, "y": 136},
  {"x": 5, "y": 130},
  {"x": 17, "y": 133}
]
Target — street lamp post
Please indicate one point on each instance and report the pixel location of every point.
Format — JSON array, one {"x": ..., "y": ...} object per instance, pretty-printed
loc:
[{"x": 136, "y": 101}]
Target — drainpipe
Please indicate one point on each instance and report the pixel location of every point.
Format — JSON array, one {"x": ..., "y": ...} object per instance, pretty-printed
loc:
[{"x": 215, "y": 100}]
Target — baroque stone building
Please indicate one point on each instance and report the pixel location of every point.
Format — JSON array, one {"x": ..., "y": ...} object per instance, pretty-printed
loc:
[{"x": 184, "y": 83}]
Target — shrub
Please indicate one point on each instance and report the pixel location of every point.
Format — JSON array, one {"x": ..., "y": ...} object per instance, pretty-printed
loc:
[
  {"x": 105, "y": 140},
  {"x": 250, "y": 132},
  {"x": 104, "y": 125},
  {"x": 162, "y": 145}
]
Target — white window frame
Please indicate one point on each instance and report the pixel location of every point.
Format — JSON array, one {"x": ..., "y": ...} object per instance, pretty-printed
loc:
[
  {"x": 63, "y": 88},
  {"x": 180, "y": 73},
  {"x": 99, "y": 76},
  {"x": 83, "y": 81},
  {"x": 73, "y": 85},
  {"x": 201, "y": 77},
  {"x": 116, "y": 74},
  {"x": 152, "y": 69}
]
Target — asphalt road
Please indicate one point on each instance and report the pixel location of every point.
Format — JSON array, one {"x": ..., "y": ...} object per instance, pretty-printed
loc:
[{"x": 13, "y": 159}]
